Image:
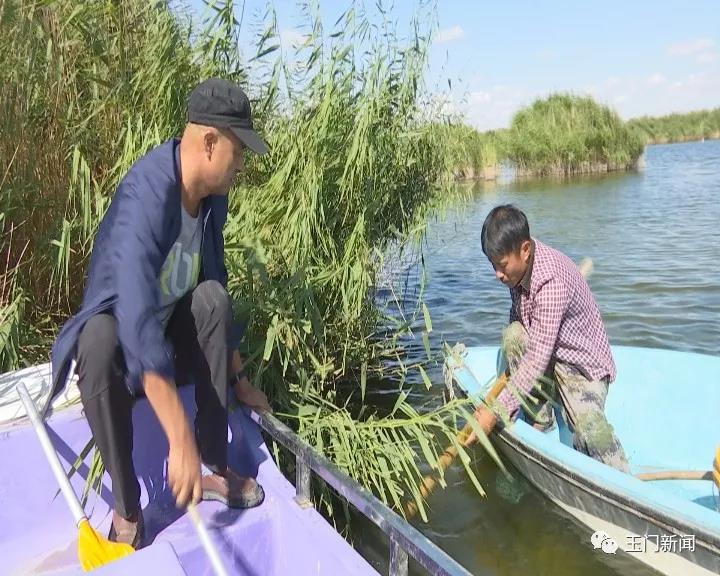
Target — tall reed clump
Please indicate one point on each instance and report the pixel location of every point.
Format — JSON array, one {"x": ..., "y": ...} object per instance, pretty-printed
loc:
[
  {"x": 567, "y": 134},
  {"x": 471, "y": 155},
  {"x": 89, "y": 87},
  {"x": 354, "y": 166},
  {"x": 697, "y": 125},
  {"x": 12, "y": 300}
]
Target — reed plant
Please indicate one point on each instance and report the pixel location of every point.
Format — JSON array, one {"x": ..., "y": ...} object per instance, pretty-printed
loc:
[
  {"x": 354, "y": 168},
  {"x": 12, "y": 301},
  {"x": 472, "y": 155},
  {"x": 565, "y": 134}
]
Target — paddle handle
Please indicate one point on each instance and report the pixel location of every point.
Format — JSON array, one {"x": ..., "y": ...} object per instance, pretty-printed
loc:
[
  {"x": 676, "y": 475},
  {"x": 713, "y": 474},
  {"x": 206, "y": 541},
  {"x": 467, "y": 430},
  {"x": 51, "y": 455},
  {"x": 430, "y": 481}
]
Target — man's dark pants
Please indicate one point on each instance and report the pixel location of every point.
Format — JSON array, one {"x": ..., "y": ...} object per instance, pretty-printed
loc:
[{"x": 199, "y": 330}]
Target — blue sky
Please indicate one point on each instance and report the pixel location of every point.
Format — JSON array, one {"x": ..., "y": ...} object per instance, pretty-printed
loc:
[{"x": 640, "y": 57}]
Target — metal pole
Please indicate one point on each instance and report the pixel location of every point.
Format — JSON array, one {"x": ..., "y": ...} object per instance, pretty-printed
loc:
[
  {"x": 302, "y": 483},
  {"x": 398, "y": 559},
  {"x": 410, "y": 541}
]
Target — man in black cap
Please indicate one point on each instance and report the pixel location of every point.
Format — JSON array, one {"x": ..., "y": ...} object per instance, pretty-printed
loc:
[{"x": 156, "y": 311}]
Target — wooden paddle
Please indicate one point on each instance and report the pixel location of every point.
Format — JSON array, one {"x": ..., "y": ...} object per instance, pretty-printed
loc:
[
  {"x": 93, "y": 550},
  {"x": 430, "y": 481},
  {"x": 676, "y": 475},
  {"x": 713, "y": 474}
]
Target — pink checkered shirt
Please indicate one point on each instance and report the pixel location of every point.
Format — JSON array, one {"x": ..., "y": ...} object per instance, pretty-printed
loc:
[{"x": 555, "y": 305}]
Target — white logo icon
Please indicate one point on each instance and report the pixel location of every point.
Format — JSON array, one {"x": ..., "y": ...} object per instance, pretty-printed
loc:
[{"x": 603, "y": 541}]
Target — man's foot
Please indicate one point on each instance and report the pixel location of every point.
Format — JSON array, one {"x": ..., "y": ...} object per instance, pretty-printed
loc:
[
  {"x": 233, "y": 490},
  {"x": 128, "y": 530}
]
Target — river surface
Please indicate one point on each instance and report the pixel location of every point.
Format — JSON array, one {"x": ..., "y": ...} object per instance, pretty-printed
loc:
[{"x": 654, "y": 238}]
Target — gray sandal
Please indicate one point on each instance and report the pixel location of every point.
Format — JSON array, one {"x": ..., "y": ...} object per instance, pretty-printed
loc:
[
  {"x": 240, "y": 498},
  {"x": 133, "y": 534}
]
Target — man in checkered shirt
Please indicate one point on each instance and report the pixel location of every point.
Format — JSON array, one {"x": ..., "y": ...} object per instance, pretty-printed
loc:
[{"x": 555, "y": 346}]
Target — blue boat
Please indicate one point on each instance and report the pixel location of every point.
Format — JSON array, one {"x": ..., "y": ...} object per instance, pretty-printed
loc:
[{"x": 665, "y": 409}]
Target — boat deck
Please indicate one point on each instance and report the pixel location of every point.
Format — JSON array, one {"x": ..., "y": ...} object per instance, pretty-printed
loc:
[{"x": 37, "y": 533}]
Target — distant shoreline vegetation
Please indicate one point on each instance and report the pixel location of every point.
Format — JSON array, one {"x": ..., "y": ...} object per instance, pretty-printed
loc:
[
  {"x": 698, "y": 125},
  {"x": 565, "y": 135}
]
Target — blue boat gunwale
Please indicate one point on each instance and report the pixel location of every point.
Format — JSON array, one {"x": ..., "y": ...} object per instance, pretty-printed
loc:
[{"x": 599, "y": 480}]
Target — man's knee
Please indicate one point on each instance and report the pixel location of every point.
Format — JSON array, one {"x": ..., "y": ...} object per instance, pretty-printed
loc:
[
  {"x": 211, "y": 300},
  {"x": 97, "y": 354},
  {"x": 595, "y": 436},
  {"x": 594, "y": 431}
]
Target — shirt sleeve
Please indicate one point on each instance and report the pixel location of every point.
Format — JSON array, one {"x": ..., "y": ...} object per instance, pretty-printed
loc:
[
  {"x": 139, "y": 258},
  {"x": 550, "y": 304}
]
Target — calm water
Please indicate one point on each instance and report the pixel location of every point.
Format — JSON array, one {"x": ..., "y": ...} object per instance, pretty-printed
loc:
[{"x": 654, "y": 237}]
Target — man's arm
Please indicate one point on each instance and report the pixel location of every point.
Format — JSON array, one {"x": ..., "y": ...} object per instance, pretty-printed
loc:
[
  {"x": 149, "y": 356},
  {"x": 550, "y": 304},
  {"x": 245, "y": 392},
  {"x": 138, "y": 259}
]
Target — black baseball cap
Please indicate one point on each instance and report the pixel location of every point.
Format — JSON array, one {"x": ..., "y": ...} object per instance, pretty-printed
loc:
[{"x": 222, "y": 104}]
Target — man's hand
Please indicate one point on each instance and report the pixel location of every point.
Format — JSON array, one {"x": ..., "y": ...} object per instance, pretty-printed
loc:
[
  {"x": 487, "y": 420},
  {"x": 251, "y": 396},
  {"x": 183, "y": 460},
  {"x": 184, "y": 470},
  {"x": 246, "y": 392}
]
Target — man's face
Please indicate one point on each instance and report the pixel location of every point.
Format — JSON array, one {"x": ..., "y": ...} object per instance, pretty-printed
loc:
[
  {"x": 511, "y": 268},
  {"x": 225, "y": 160}
]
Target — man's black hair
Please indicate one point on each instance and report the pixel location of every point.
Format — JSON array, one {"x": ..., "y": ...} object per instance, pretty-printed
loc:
[{"x": 504, "y": 231}]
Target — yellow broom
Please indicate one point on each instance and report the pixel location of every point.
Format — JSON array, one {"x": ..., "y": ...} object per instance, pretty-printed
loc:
[{"x": 93, "y": 550}]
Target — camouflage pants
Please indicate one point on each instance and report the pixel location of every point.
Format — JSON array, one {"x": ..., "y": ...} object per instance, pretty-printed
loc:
[{"x": 581, "y": 401}]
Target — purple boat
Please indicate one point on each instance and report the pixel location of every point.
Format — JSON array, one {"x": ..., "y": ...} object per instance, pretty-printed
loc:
[{"x": 285, "y": 535}]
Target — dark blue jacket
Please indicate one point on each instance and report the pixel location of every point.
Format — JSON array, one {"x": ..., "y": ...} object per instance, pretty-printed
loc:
[{"x": 134, "y": 238}]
